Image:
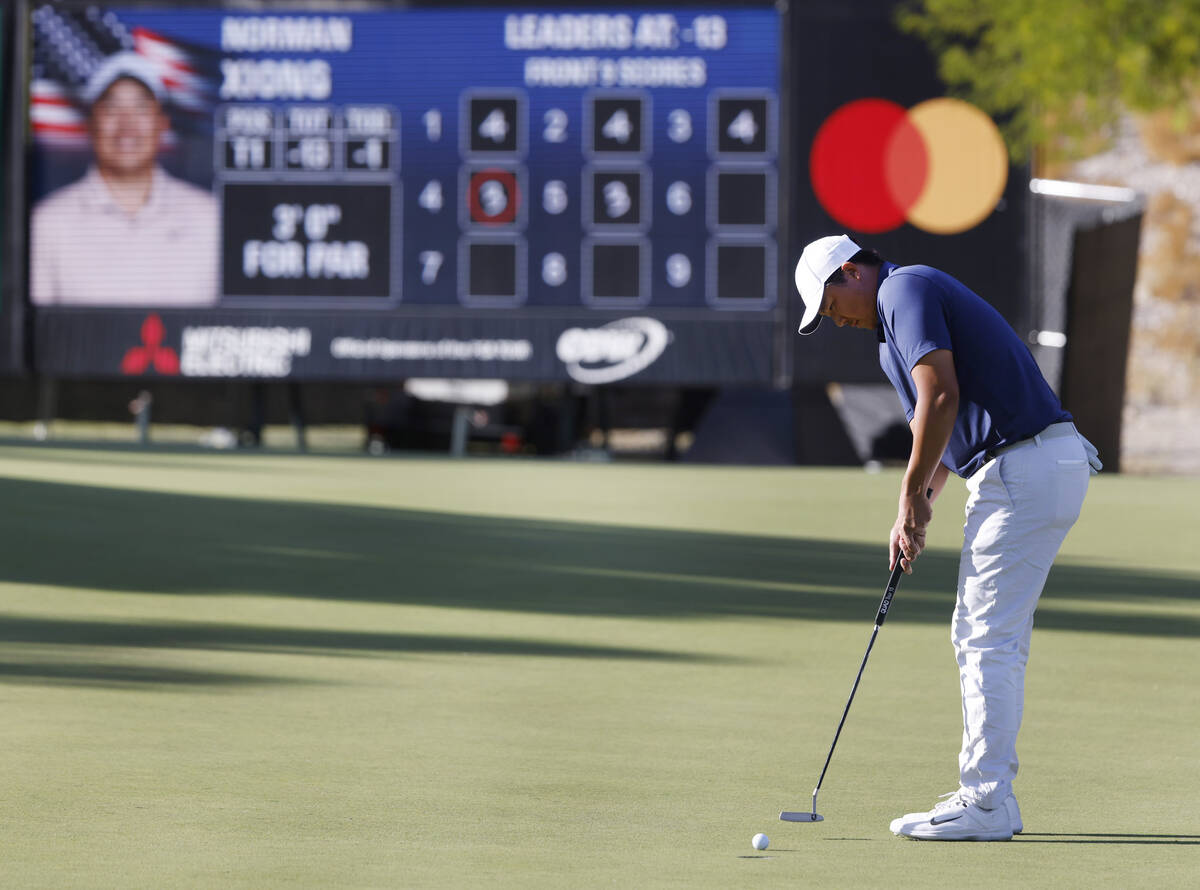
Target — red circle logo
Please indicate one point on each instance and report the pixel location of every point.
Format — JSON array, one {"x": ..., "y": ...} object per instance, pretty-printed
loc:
[{"x": 940, "y": 166}]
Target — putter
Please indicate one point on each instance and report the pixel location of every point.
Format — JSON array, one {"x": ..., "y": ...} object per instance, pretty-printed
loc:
[{"x": 885, "y": 603}]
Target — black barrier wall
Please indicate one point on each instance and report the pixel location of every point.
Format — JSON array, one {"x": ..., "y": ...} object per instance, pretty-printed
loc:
[{"x": 1099, "y": 311}]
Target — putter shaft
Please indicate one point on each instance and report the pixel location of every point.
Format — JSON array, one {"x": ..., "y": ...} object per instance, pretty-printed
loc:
[{"x": 880, "y": 616}]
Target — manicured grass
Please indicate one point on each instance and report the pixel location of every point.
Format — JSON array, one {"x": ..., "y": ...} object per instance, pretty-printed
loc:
[{"x": 278, "y": 671}]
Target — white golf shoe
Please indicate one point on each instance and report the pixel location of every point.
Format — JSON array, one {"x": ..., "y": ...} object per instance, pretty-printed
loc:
[
  {"x": 955, "y": 819},
  {"x": 1014, "y": 814}
]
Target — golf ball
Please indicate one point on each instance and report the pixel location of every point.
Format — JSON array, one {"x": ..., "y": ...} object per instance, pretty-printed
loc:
[{"x": 760, "y": 841}]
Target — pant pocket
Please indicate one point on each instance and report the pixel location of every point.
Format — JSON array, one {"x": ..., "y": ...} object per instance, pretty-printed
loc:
[
  {"x": 1008, "y": 480},
  {"x": 1070, "y": 486}
]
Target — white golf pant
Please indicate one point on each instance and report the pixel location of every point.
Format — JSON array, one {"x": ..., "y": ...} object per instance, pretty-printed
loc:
[{"x": 1020, "y": 507}]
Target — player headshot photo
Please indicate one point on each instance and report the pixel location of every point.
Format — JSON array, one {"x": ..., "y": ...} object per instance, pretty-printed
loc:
[{"x": 127, "y": 233}]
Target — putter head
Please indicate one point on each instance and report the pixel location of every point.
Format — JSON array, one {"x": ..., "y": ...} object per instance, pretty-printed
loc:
[{"x": 788, "y": 816}]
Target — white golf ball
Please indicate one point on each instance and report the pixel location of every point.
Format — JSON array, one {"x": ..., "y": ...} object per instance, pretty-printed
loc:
[{"x": 760, "y": 841}]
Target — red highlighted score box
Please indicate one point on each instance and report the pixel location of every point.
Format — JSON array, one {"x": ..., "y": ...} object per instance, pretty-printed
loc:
[{"x": 484, "y": 204}]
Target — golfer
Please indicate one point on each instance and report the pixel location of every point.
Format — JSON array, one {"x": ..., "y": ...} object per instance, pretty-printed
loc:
[
  {"x": 127, "y": 233},
  {"x": 979, "y": 407}
]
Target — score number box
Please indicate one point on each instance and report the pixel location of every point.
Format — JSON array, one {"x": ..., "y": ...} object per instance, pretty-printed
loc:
[
  {"x": 492, "y": 271},
  {"x": 615, "y": 125},
  {"x": 741, "y": 273},
  {"x": 615, "y": 272}
]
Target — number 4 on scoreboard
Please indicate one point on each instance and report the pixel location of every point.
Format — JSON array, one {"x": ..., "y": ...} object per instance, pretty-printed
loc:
[
  {"x": 431, "y": 196},
  {"x": 743, "y": 125},
  {"x": 617, "y": 125},
  {"x": 618, "y": 128},
  {"x": 494, "y": 127},
  {"x": 494, "y": 124},
  {"x": 743, "y": 128}
]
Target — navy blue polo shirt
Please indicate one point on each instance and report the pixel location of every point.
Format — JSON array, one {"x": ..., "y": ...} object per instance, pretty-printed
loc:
[{"x": 1003, "y": 396}]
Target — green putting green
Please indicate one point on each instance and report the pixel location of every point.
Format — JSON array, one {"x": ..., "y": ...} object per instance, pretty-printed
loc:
[{"x": 281, "y": 671}]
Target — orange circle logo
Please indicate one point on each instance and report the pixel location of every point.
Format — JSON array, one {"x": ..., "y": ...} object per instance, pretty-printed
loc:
[{"x": 940, "y": 166}]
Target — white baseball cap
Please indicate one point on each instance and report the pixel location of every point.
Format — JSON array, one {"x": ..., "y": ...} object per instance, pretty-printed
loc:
[
  {"x": 123, "y": 64},
  {"x": 818, "y": 261}
]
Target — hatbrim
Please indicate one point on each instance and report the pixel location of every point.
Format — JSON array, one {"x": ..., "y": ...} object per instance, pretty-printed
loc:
[
  {"x": 810, "y": 320},
  {"x": 95, "y": 92}
]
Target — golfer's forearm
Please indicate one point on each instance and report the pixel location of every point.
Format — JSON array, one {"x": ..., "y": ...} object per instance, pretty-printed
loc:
[
  {"x": 932, "y": 424},
  {"x": 940, "y": 475}
]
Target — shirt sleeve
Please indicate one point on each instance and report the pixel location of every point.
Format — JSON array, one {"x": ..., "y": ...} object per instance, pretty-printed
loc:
[{"x": 914, "y": 313}]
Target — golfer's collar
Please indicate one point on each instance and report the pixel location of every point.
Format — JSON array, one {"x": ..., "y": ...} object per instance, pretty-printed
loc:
[
  {"x": 97, "y": 193},
  {"x": 94, "y": 191},
  {"x": 884, "y": 271},
  {"x": 156, "y": 200}
]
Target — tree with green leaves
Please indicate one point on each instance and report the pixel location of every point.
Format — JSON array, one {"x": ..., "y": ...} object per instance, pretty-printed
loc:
[{"x": 1058, "y": 73}]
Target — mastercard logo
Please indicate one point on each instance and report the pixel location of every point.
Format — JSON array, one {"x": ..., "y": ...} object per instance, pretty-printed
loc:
[{"x": 940, "y": 166}]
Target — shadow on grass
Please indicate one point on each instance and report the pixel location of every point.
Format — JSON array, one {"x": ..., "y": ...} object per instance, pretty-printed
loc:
[
  {"x": 298, "y": 641},
  {"x": 1067, "y": 838},
  {"x": 100, "y": 675},
  {"x": 131, "y": 541}
]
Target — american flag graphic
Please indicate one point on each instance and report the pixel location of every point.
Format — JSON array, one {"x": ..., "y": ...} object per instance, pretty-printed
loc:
[{"x": 69, "y": 44}]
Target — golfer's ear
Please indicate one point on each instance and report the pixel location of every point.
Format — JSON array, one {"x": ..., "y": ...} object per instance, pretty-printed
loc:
[{"x": 850, "y": 269}]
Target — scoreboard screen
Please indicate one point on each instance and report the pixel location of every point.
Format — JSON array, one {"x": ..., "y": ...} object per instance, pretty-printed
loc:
[{"x": 379, "y": 193}]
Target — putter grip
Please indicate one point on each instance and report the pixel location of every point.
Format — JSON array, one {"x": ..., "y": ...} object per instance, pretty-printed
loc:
[{"x": 886, "y": 602}]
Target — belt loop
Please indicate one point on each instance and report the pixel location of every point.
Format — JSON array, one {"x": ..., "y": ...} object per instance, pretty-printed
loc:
[{"x": 1038, "y": 440}]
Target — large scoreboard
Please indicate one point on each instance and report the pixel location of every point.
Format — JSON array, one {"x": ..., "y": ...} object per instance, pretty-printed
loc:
[{"x": 382, "y": 192}]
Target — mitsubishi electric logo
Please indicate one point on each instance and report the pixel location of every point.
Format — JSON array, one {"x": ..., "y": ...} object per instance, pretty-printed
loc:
[
  {"x": 618, "y": 350},
  {"x": 152, "y": 352}
]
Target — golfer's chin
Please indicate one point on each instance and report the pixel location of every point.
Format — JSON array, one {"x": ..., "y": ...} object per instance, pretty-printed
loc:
[{"x": 126, "y": 165}]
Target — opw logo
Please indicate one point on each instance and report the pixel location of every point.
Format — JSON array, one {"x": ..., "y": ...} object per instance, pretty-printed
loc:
[
  {"x": 618, "y": 350},
  {"x": 139, "y": 358},
  {"x": 940, "y": 166}
]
